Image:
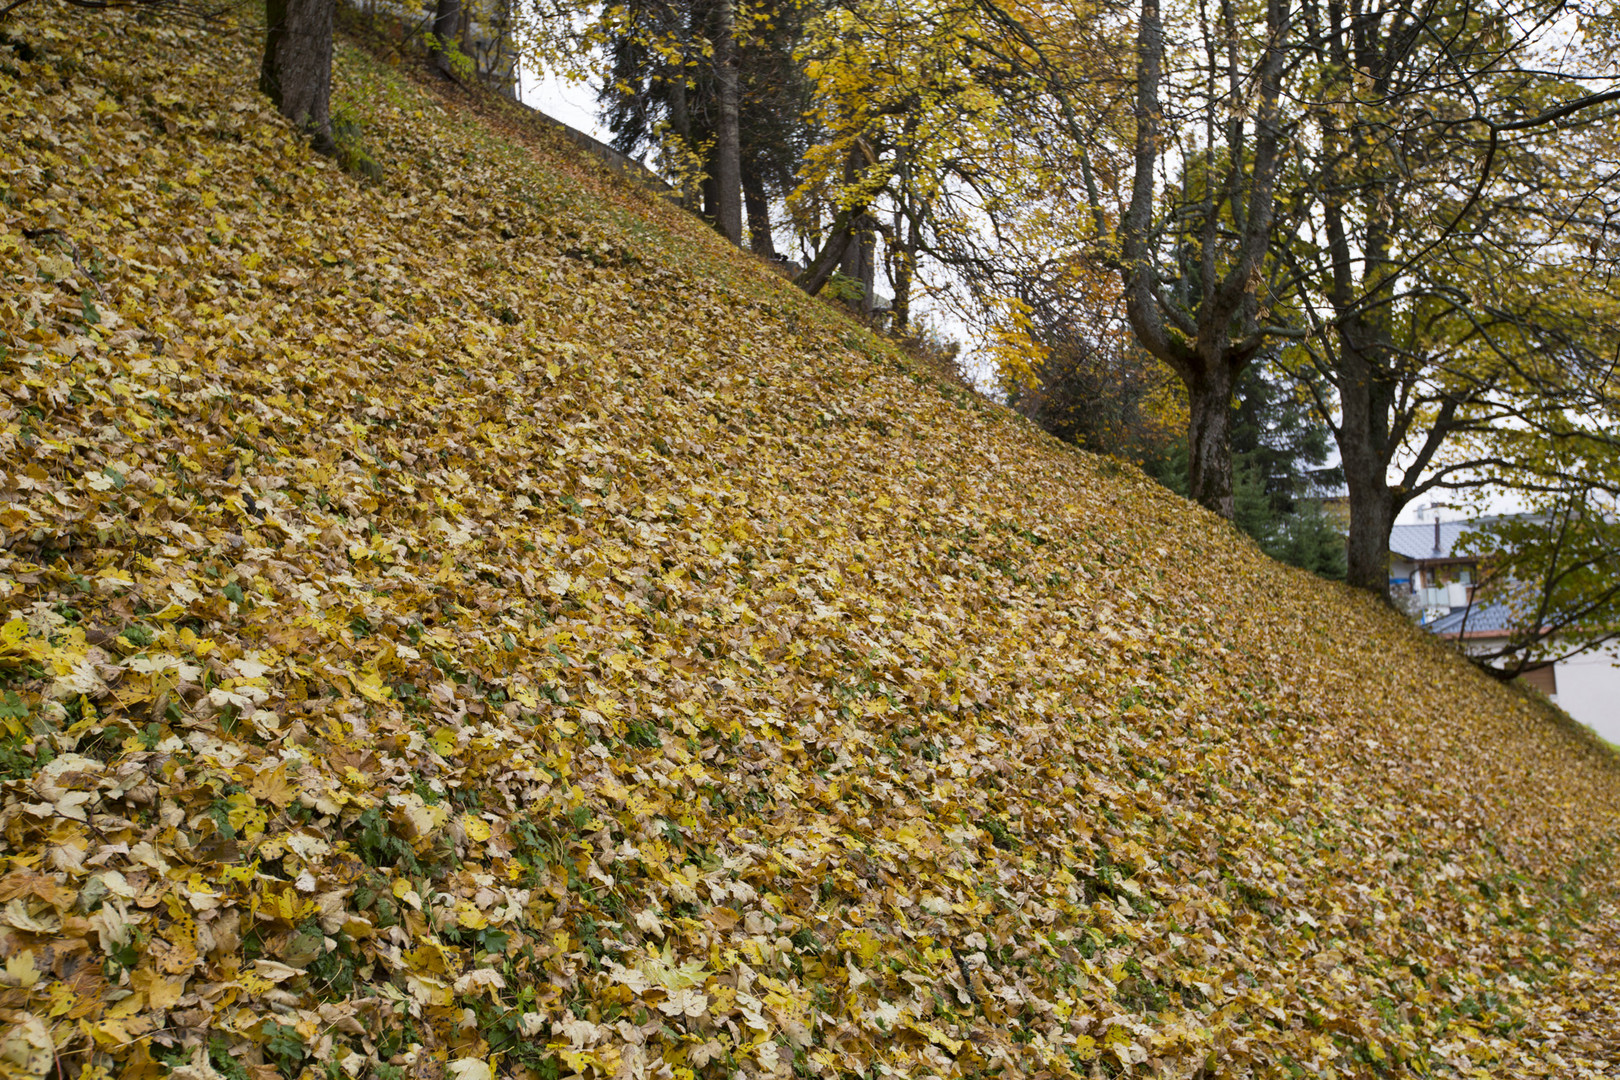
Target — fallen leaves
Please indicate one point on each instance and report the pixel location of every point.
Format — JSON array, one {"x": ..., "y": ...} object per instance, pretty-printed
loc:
[{"x": 425, "y": 648}]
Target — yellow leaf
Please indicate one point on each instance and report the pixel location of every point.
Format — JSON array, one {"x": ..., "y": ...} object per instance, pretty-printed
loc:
[
  {"x": 370, "y": 685},
  {"x": 161, "y": 992},
  {"x": 271, "y": 786},
  {"x": 20, "y": 969}
]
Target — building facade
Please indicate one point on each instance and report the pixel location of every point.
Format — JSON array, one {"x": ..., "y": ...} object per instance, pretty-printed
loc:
[{"x": 1435, "y": 580}]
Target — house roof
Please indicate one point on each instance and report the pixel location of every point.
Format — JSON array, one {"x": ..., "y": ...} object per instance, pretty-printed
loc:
[
  {"x": 1417, "y": 541},
  {"x": 1487, "y": 618}
]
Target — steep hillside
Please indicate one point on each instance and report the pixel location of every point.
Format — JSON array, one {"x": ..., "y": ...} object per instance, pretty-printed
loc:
[{"x": 472, "y": 622}]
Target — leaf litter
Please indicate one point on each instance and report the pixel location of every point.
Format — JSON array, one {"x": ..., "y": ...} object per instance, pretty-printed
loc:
[{"x": 472, "y": 623}]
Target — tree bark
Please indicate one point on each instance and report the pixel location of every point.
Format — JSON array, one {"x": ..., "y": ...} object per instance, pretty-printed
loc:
[
  {"x": 867, "y": 236},
  {"x": 821, "y": 268},
  {"x": 296, "y": 72},
  {"x": 900, "y": 312},
  {"x": 858, "y": 259},
  {"x": 1372, "y": 516},
  {"x": 758, "y": 206},
  {"x": 903, "y": 264},
  {"x": 711, "y": 192},
  {"x": 1209, "y": 437},
  {"x": 446, "y": 29},
  {"x": 728, "y": 160}
]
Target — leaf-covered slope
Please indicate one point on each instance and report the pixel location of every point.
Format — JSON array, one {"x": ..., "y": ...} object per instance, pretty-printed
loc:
[{"x": 475, "y": 621}]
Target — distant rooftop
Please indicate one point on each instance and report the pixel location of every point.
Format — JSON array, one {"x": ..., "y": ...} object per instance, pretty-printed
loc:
[
  {"x": 1488, "y": 618},
  {"x": 1418, "y": 541}
]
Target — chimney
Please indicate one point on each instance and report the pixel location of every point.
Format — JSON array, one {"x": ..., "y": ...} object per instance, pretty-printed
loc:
[{"x": 1437, "y": 532}]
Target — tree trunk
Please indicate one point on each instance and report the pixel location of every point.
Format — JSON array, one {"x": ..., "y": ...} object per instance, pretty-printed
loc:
[
  {"x": 711, "y": 193},
  {"x": 728, "y": 163},
  {"x": 1363, "y": 376},
  {"x": 1364, "y": 452},
  {"x": 821, "y": 268},
  {"x": 859, "y": 257},
  {"x": 900, "y": 312},
  {"x": 446, "y": 29},
  {"x": 1372, "y": 515},
  {"x": 839, "y": 237},
  {"x": 903, "y": 268},
  {"x": 760, "y": 241},
  {"x": 1209, "y": 430},
  {"x": 680, "y": 122},
  {"x": 867, "y": 236},
  {"x": 296, "y": 73}
]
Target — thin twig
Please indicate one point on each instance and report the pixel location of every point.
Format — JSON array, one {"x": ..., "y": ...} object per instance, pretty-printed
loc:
[{"x": 72, "y": 250}]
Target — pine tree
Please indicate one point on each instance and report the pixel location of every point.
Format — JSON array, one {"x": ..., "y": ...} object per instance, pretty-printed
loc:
[
  {"x": 1280, "y": 450},
  {"x": 1252, "y": 509}
]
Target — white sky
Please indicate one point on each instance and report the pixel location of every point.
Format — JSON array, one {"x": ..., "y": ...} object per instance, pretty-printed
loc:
[{"x": 574, "y": 103}]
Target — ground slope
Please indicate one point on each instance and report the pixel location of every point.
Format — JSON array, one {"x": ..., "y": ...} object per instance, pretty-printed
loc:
[{"x": 473, "y": 621}]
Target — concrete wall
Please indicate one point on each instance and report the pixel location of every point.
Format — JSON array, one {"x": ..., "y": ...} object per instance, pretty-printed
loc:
[
  {"x": 1589, "y": 690},
  {"x": 625, "y": 164}
]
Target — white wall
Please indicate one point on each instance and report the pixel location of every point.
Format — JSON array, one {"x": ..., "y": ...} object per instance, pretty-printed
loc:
[{"x": 1589, "y": 690}]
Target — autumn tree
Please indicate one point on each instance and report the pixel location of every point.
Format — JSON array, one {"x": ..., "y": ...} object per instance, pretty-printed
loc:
[
  {"x": 1452, "y": 184},
  {"x": 1169, "y": 180},
  {"x": 915, "y": 110}
]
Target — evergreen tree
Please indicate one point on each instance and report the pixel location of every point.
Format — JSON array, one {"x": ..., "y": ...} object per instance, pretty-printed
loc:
[
  {"x": 661, "y": 93},
  {"x": 1280, "y": 449},
  {"x": 1277, "y": 436},
  {"x": 1252, "y": 509},
  {"x": 1312, "y": 542}
]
